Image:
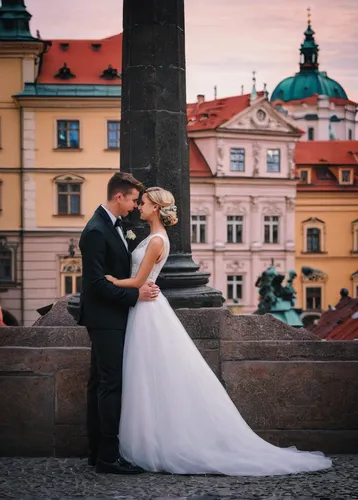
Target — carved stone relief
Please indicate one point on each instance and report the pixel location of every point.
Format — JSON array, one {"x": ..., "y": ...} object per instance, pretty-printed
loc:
[
  {"x": 271, "y": 208},
  {"x": 235, "y": 266},
  {"x": 202, "y": 210},
  {"x": 220, "y": 169},
  {"x": 256, "y": 149}
]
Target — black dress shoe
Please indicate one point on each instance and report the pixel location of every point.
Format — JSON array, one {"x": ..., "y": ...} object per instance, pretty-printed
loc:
[
  {"x": 120, "y": 466},
  {"x": 91, "y": 461}
]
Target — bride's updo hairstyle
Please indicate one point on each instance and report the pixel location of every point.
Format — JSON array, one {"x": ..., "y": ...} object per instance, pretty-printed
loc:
[{"x": 165, "y": 200}]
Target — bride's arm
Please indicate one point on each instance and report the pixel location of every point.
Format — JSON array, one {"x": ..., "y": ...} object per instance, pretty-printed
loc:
[{"x": 153, "y": 252}]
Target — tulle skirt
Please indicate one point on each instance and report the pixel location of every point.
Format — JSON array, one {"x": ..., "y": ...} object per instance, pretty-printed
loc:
[{"x": 177, "y": 416}]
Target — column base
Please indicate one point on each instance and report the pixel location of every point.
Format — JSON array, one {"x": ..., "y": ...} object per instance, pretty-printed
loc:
[
  {"x": 193, "y": 298},
  {"x": 185, "y": 286}
]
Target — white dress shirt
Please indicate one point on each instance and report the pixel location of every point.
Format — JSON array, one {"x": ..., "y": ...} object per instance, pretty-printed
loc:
[{"x": 113, "y": 219}]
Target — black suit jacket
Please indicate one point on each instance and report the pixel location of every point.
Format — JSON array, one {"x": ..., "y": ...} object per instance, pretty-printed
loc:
[{"x": 103, "y": 305}]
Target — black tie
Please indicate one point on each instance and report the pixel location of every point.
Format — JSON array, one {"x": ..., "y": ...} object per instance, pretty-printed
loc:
[{"x": 118, "y": 223}]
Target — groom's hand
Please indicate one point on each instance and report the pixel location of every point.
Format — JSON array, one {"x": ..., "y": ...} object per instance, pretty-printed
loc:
[{"x": 148, "y": 292}]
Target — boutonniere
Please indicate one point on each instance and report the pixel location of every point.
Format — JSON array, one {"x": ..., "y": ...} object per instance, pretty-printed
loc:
[{"x": 130, "y": 235}]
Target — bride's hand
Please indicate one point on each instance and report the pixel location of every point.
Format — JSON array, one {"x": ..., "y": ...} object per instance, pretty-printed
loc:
[{"x": 110, "y": 278}]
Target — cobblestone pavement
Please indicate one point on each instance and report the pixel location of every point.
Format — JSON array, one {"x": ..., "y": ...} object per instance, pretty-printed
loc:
[{"x": 67, "y": 479}]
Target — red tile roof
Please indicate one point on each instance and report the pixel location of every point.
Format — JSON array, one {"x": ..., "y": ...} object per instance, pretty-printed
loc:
[
  {"x": 339, "y": 324},
  {"x": 84, "y": 61},
  {"x": 313, "y": 100},
  {"x": 326, "y": 153},
  {"x": 324, "y": 158},
  {"x": 197, "y": 162},
  {"x": 209, "y": 115}
]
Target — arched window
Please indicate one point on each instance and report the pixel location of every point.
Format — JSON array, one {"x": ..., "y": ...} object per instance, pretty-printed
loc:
[
  {"x": 313, "y": 232},
  {"x": 313, "y": 239}
]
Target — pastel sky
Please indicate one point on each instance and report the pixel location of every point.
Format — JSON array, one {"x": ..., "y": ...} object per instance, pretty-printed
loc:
[{"x": 227, "y": 39}]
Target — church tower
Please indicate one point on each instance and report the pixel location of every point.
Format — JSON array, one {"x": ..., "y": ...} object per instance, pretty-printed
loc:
[{"x": 14, "y": 21}]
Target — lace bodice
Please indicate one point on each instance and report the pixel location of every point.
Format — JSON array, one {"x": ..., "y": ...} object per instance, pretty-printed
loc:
[{"x": 139, "y": 252}]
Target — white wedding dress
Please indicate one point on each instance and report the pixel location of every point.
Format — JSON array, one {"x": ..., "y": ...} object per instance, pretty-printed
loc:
[{"x": 176, "y": 415}]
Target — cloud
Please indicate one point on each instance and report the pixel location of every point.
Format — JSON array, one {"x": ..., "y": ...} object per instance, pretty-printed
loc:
[{"x": 228, "y": 39}]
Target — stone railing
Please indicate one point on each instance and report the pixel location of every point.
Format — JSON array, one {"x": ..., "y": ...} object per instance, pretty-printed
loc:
[{"x": 291, "y": 387}]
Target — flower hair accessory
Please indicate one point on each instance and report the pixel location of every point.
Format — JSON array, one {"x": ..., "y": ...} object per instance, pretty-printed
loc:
[
  {"x": 170, "y": 208},
  {"x": 168, "y": 215}
]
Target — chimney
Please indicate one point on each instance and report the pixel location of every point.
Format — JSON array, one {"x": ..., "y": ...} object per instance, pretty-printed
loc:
[{"x": 201, "y": 98}]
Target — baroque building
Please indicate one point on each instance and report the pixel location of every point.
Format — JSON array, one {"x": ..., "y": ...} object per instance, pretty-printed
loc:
[
  {"x": 318, "y": 104},
  {"x": 60, "y": 142},
  {"x": 326, "y": 222},
  {"x": 60, "y": 126},
  {"x": 243, "y": 192}
]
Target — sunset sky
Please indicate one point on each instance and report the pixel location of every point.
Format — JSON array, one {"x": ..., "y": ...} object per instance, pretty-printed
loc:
[{"x": 227, "y": 39}]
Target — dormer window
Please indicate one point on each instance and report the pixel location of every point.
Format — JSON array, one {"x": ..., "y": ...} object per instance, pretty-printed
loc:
[
  {"x": 64, "y": 73},
  {"x": 110, "y": 73},
  {"x": 305, "y": 176},
  {"x": 346, "y": 176}
]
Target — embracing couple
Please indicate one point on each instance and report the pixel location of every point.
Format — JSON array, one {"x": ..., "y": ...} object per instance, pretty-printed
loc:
[{"x": 153, "y": 403}]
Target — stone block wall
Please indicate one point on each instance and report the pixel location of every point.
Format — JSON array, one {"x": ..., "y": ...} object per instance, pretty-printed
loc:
[{"x": 289, "y": 386}]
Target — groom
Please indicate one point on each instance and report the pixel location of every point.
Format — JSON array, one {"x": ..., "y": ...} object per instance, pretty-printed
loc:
[{"x": 104, "y": 311}]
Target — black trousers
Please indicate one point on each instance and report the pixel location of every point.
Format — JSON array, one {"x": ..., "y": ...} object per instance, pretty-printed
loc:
[{"x": 104, "y": 393}]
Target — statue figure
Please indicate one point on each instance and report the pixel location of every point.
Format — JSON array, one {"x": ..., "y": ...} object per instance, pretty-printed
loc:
[{"x": 278, "y": 299}]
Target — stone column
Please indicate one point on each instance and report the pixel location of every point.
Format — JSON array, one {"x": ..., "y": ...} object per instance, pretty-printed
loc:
[{"x": 154, "y": 144}]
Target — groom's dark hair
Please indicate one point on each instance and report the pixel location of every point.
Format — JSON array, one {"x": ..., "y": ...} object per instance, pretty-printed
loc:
[{"x": 122, "y": 182}]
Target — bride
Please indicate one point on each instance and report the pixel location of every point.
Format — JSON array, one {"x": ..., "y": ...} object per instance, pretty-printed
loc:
[{"x": 176, "y": 416}]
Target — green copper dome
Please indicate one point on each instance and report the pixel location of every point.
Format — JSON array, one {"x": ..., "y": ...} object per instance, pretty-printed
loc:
[
  {"x": 309, "y": 80},
  {"x": 307, "y": 84},
  {"x": 14, "y": 21}
]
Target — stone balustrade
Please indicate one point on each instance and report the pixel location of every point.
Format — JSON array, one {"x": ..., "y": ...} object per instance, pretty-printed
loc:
[{"x": 290, "y": 386}]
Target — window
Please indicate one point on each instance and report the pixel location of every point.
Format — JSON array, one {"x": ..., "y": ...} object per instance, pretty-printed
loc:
[
  {"x": 113, "y": 134},
  {"x": 313, "y": 298},
  {"x": 5, "y": 265},
  {"x": 68, "y": 134},
  {"x": 323, "y": 174},
  {"x": 271, "y": 228},
  {"x": 350, "y": 134},
  {"x": 234, "y": 227},
  {"x": 313, "y": 232},
  {"x": 69, "y": 198},
  {"x": 237, "y": 159},
  {"x": 305, "y": 176},
  {"x": 311, "y": 134},
  {"x": 313, "y": 240},
  {"x": 198, "y": 228},
  {"x": 71, "y": 276},
  {"x": 273, "y": 160},
  {"x": 346, "y": 176},
  {"x": 234, "y": 287},
  {"x": 355, "y": 235},
  {"x": 7, "y": 262},
  {"x": 72, "y": 284}
]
